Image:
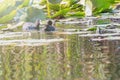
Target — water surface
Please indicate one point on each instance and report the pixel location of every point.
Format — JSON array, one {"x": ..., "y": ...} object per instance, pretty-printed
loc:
[{"x": 76, "y": 58}]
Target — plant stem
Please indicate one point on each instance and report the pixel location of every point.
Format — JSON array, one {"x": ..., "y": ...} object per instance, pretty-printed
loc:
[{"x": 48, "y": 8}]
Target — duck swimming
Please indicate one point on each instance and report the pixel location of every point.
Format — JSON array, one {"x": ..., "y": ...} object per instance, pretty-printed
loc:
[{"x": 29, "y": 26}]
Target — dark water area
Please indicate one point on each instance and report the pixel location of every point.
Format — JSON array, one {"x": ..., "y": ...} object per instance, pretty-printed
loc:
[{"x": 76, "y": 58}]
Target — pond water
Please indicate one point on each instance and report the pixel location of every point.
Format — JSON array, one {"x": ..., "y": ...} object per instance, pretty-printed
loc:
[{"x": 75, "y": 58}]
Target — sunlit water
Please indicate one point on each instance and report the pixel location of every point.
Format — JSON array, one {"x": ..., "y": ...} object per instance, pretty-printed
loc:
[{"x": 76, "y": 58}]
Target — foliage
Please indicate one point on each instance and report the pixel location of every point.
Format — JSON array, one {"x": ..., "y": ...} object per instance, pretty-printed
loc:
[
  {"x": 60, "y": 9},
  {"x": 92, "y": 29},
  {"x": 54, "y": 1},
  {"x": 4, "y": 26},
  {"x": 7, "y": 12},
  {"x": 76, "y": 14},
  {"x": 117, "y": 1},
  {"x": 64, "y": 8},
  {"x": 8, "y": 17},
  {"x": 6, "y": 8},
  {"x": 77, "y": 7},
  {"x": 103, "y": 21},
  {"x": 56, "y": 8},
  {"x": 24, "y": 4},
  {"x": 102, "y": 6},
  {"x": 61, "y": 13}
]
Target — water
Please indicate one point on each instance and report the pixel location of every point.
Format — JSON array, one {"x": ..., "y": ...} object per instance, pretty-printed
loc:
[{"x": 76, "y": 58}]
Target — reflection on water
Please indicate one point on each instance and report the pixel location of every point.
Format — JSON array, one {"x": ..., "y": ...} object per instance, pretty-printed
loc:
[
  {"x": 78, "y": 58},
  {"x": 100, "y": 60}
]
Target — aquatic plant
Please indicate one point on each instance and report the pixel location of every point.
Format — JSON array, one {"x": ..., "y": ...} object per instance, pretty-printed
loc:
[
  {"x": 53, "y": 8},
  {"x": 92, "y": 29},
  {"x": 7, "y": 13}
]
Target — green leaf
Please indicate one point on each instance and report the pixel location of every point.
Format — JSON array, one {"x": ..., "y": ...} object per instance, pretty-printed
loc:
[
  {"x": 102, "y": 5},
  {"x": 25, "y": 3},
  {"x": 61, "y": 13},
  {"x": 55, "y": 7},
  {"x": 76, "y": 14},
  {"x": 92, "y": 29},
  {"x": 6, "y": 7},
  {"x": 7, "y": 12},
  {"x": 54, "y": 1},
  {"x": 8, "y": 17}
]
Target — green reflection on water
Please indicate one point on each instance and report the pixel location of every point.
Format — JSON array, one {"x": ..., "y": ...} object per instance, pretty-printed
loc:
[{"x": 78, "y": 58}]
